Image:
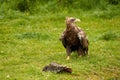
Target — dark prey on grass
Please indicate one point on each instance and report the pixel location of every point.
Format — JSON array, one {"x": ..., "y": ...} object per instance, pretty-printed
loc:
[{"x": 57, "y": 68}]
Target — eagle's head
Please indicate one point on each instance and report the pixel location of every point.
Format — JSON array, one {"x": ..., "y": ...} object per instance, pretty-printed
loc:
[{"x": 71, "y": 20}]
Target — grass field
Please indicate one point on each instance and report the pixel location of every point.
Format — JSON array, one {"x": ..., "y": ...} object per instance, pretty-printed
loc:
[{"x": 30, "y": 42}]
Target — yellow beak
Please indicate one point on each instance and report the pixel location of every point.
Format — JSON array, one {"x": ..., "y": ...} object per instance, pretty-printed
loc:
[{"x": 77, "y": 20}]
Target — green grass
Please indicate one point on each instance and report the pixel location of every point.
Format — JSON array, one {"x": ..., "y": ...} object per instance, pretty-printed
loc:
[{"x": 28, "y": 42}]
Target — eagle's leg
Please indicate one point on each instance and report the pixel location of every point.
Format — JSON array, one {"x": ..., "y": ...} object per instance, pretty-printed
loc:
[
  {"x": 80, "y": 51},
  {"x": 86, "y": 51},
  {"x": 68, "y": 51}
]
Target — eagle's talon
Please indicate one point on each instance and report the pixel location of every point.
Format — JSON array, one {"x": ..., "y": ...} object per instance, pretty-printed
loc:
[
  {"x": 80, "y": 56},
  {"x": 68, "y": 58}
]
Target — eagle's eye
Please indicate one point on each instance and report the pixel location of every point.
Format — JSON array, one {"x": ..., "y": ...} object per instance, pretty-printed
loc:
[{"x": 72, "y": 20}]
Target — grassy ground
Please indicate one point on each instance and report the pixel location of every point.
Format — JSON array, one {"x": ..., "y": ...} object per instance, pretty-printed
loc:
[{"x": 29, "y": 42}]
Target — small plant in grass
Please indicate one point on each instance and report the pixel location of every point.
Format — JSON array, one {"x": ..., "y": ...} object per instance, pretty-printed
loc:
[{"x": 109, "y": 35}]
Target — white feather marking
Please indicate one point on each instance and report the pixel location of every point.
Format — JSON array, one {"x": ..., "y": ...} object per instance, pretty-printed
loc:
[{"x": 80, "y": 36}]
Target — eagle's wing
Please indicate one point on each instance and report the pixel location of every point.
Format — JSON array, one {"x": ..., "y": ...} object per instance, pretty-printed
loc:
[
  {"x": 62, "y": 35},
  {"x": 83, "y": 39},
  {"x": 62, "y": 38}
]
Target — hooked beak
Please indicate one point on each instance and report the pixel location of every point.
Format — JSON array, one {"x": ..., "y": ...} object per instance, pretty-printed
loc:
[{"x": 77, "y": 20}]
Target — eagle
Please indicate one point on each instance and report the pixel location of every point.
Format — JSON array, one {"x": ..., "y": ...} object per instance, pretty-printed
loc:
[{"x": 74, "y": 38}]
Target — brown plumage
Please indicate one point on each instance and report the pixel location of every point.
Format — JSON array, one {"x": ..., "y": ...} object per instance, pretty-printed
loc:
[{"x": 74, "y": 38}]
